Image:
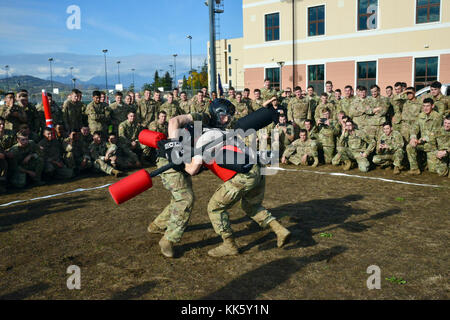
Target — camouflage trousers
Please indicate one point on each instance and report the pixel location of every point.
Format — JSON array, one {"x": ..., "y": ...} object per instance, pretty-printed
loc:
[
  {"x": 19, "y": 178},
  {"x": 249, "y": 189},
  {"x": 297, "y": 159},
  {"x": 53, "y": 171},
  {"x": 373, "y": 131},
  {"x": 347, "y": 154},
  {"x": 3, "y": 172},
  {"x": 176, "y": 214},
  {"x": 74, "y": 162},
  {"x": 328, "y": 152},
  {"x": 395, "y": 158},
  {"x": 412, "y": 157},
  {"x": 442, "y": 166},
  {"x": 405, "y": 130}
]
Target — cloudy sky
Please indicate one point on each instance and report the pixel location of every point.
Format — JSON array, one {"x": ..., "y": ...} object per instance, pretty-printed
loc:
[{"x": 142, "y": 35}]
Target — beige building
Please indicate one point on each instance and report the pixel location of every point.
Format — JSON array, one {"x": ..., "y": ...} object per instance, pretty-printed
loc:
[{"x": 356, "y": 42}]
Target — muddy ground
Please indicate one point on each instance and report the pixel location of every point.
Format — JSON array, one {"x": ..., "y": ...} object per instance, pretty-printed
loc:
[{"x": 340, "y": 227}]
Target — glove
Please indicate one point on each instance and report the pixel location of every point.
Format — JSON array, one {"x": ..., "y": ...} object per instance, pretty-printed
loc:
[{"x": 173, "y": 151}]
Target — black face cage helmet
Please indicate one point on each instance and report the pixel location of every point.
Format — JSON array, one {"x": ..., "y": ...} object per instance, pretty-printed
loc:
[{"x": 220, "y": 107}]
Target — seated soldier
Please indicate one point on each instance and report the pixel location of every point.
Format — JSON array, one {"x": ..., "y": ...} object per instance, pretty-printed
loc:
[
  {"x": 33, "y": 136},
  {"x": 26, "y": 162},
  {"x": 353, "y": 145},
  {"x": 121, "y": 157},
  {"x": 7, "y": 139},
  {"x": 302, "y": 151},
  {"x": 3, "y": 170},
  {"x": 311, "y": 129},
  {"x": 441, "y": 153},
  {"x": 86, "y": 135},
  {"x": 283, "y": 134},
  {"x": 129, "y": 134},
  {"x": 389, "y": 149},
  {"x": 76, "y": 154},
  {"x": 327, "y": 132},
  {"x": 52, "y": 152},
  {"x": 102, "y": 157}
]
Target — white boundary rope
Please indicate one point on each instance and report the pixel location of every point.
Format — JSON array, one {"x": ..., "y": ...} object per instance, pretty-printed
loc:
[{"x": 269, "y": 168}]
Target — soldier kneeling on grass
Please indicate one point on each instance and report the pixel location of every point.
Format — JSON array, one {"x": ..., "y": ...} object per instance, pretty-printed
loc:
[
  {"x": 104, "y": 160},
  {"x": 389, "y": 149},
  {"x": 302, "y": 151}
]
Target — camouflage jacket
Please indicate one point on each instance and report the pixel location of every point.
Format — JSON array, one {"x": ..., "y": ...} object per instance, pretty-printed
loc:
[
  {"x": 12, "y": 121},
  {"x": 7, "y": 140},
  {"x": 358, "y": 141},
  {"x": 129, "y": 132},
  {"x": 301, "y": 148},
  {"x": 20, "y": 153},
  {"x": 298, "y": 110},
  {"x": 119, "y": 112},
  {"x": 344, "y": 105},
  {"x": 327, "y": 134},
  {"x": 156, "y": 126},
  {"x": 426, "y": 127},
  {"x": 146, "y": 112},
  {"x": 98, "y": 114},
  {"x": 242, "y": 110},
  {"x": 72, "y": 114},
  {"x": 51, "y": 150},
  {"x": 394, "y": 142},
  {"x": 172, "y": 109},
  {"x": 320, "y": 108},
  {"x": 441, "y": 103}
]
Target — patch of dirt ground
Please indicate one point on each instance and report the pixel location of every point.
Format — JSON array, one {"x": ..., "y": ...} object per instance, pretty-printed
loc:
[{"x": 340, "y": 226}]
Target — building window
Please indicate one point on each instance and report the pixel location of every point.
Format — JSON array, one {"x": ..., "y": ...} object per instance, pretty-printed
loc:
[
  {"x": 367, "y": 74},
  {"x": 316, "y": 77},
  {"x": 425, "y": 72},
  {"x": 273, "y": 74},
  {"x": 229, "y": 60},
  {"x": 427, "y": 10},
  {"x": 316, "y": 21},
  {"x": 229, "y": 48},
  {"x": 229, "y": 72},
  {"x": 367, "y": 14},
  {"x": 272, "y": 22}
]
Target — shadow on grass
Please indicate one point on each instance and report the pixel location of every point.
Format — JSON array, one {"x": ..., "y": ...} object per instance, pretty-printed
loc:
[
  {"x": 28, "y": 211},
  {"x": 253, "y": 284},
  {"x": 25, "y": 292},
  {"x": 135, "y": 292}
]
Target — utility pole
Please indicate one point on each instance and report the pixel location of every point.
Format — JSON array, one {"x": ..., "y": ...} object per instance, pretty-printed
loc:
[
  {"x": 106, "y": 75},
  {"x": 175, "y": 70},
  {"x": 118, "y": 72},
  {"x": 50, "y": 60},
  {"x": 7, "y": 76},
  {"x": 132, "y": 70},
  {"x": 212, "y": 47}
]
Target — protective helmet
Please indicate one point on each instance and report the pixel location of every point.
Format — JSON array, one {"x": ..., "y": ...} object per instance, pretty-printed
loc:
[{"x": 220, "y": 107}]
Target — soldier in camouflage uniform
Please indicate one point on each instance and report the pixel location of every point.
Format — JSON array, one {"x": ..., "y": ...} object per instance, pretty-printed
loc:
[
  {"x": 360, "y": 109},
  {"x": 427, "y": 125},
  {"x": 102, "y": 157},
  {"x": 184, "y": 103},
  {"x": 354, "y": 145},
  {"x": 72, "y": 111},
  {"x": 159, "y": 125},
  {"x": 30, "y": 110},
  {"x": 129, "y": 135},
  {"x": 121, "y": 157},
  {"x": 57, "y": 116},
  {"x": 198, "y": 104},
  {"x": 242, "y": 108},
  {"x": 147, "y": 110},
  {"x": 129, "y": 103},
  {"x": 389, "y": 149},
  {"x": 311, "y": 129},
  {"x": 171, "y": 108},
  {"x": 377, "y": 114},
  {"x": 441, "y": 102},
  {"x": 346, "y": 101},
  {"x": 397, "y": 100},
  {"x": 119, "y": 111},
  {"x": 298, "y": 109},
  {"x": 302, "y": 151},
  {"x": 232, "y": 95},
  {"x": 258, "y": 101},
  {"x": 12, "y": 113},
  {"x": 284, "y": 134},
  {"x": 99, "y": 114},
  {"x": 441, "y": 151},
  {"x": 324, "y": 104},
  {"x": 326, "y": 136},
  {"x": 313, "y": 99},
  {"x": 410, "y": 112},
  {"x": 7, "y": 139},
  {"x": 267, "y": 92},
  {"x": 246, "y": 97},
  {"x": 26, "y": 162},
  {"x": 76, "y": 153},
  {"x": 52, "y": 152},
  {"x": 330, "y": 93}
]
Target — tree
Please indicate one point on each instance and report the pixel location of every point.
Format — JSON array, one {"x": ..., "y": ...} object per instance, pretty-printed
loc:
[
  {"x": 146, "y": 86},
  {"x": 185, "y": 84}
]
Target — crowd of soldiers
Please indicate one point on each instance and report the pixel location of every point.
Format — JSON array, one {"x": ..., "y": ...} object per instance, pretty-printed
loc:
[{"x": 334, "y": 128}]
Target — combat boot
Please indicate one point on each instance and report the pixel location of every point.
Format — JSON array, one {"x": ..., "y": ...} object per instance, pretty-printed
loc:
[
  {"x": 227, "y": 248},
  {"x": 166, "y": 247},
  {"x": 153, "y": 228},
  {"x": 396, "y": 170},
  {"x": 116, "y": 173},
  {"x": 347, "y": 165},
  {"x": 316, "y": 163},
  {"x": 414, "y": 172},
  {"x": 283, "y": 234}
]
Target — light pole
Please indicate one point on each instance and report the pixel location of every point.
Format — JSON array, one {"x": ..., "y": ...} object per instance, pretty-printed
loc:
[
  {"x": 7, "y": 76},
  {"x": 132, "y": 70},
  {"x": 73, "y": 81},
  {"x": 106, "y": 75},
  {"x": 281, "y": 64},
  {"x": 190, "y": 58},
  {"x": 175, "y": 70},
  {"x": 50, "y": 60},
  {"x": 71, "y": 77},
  {"x": 118, "y": 72}
]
